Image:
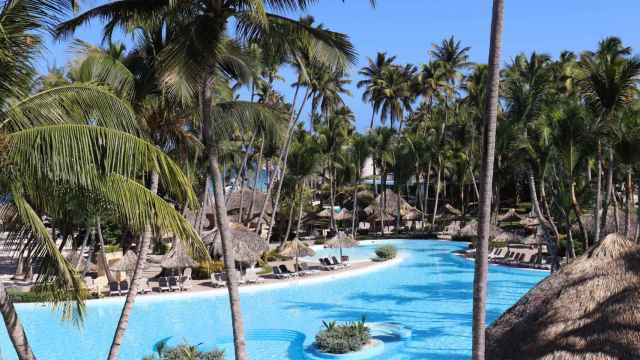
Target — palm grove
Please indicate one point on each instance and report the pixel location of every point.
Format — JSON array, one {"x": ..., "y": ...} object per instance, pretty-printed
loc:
[{"x": 123, "y": 142}]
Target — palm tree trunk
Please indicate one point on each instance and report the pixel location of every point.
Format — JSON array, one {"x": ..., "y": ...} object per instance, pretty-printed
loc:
[
  {"x": 292, "y": 122},
  {"x": 627, "y": 214},
  {"x": 475, "y": 184},
  {"x": 545, "y": 225},
  {"x": 616, "y": 218},
  {"x": 425, "y": 207},
  {"x": 222, "y": 222},
  {"x": 598, "y": 207},
  {"x": 608, "y": 193},
  {"x": 438, "y": 184},
  {"x": 578, "y": 212},
  {"x": 486, "y": 178},
  {"x": 299, "y": 226},
  {"x": 103, "y": 254},
  {"x": 290, "y": 222},
  {"x": 552, "y": 223},
  {"x": 332, "y": 196},
  {"x": 84, "y": 244},
  {"x": 256, "y": 177},
  {"x": 123, "y": 322},
  {"x": 399, "y": 196},
  {"x": 354, "y": 213},
  {"x": 14, "y": 327}
]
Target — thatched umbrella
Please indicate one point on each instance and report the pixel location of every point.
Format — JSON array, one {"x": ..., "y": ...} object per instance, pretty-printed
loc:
[
  {"x": 471, "y": 230},
  {"x": 343, "y": 215},
  {"x": 341, "y": 240},
  {"x": 509, "y": 238},
  {"x": 247, "y": 245},
  {"x": 295, "y": 248},
  {"x": 588, "y": 310},
  {"x": 177, "y": 258},
  {"x": 126, "y": 264}
]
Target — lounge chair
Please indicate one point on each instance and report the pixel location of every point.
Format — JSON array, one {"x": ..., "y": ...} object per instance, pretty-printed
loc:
[
  {"x": 334, "y": 261},
  {"x": 173, "y": 283},
  {"x": 216, "y": 281},
  {"x": 114, "y": 290},
  {"x": 144, "y": 286},
  {"x": 251, "y": 277},
  {"x": 187, "y": 273},
  {"x": 278, "y": 274},
  {"x": 285, "y": 270},
  {"x": 185, "y": 283},
  {"x": 124, "y": 287},
  {"x": 163, "y": 284},
  {"x": 325, "y": 264}
]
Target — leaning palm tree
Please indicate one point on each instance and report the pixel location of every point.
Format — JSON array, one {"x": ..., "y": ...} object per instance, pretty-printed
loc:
[
  {"x": 486, "y": 180},
  {"x": 198, "y": 50}
]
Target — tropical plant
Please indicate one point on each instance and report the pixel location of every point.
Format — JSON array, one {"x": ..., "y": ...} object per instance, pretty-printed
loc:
[{"x": 342, "y": 338}]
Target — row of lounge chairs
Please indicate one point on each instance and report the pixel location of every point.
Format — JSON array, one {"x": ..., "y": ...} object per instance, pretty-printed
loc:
[
  {"x": 526, "y": 257},
  {"x": 332, "y": 263},
  {"x": 174, "y": 283},
  {"x": 122, "y": 287},
  {"x": 251, "y": 277}
]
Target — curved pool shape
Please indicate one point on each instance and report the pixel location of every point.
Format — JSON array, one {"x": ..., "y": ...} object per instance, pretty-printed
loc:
[{"x": 429, "y": 292}]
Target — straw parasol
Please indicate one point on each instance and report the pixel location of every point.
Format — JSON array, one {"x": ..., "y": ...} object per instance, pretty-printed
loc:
[
  {"x": 295, "y": 249},
  {"x": 126, "y": 264},
  {"x": 245, "y": 195},
  {"x": 247, "y": 245},
  {"x": 588, "y": 310},
  {"x": 343, "y": 215},
  {"x": 177, "y": 258},
  {"x": 341, "y": 240},
  {"x": 509, "y": 238}
]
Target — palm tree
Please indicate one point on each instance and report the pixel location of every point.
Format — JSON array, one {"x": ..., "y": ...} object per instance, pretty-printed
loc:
[
  {"x": 607, "y": 81},
  {"x": 77, "y": 138},
  {"x": 373, "y": 82},
  {"x": 359, "y": 151},
  {"x": 197, "y": 52},
  {"x": 486, "y": 179}
]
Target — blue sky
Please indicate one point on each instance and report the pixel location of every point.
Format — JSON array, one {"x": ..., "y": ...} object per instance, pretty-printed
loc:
[{"x": 407, "y": 28}]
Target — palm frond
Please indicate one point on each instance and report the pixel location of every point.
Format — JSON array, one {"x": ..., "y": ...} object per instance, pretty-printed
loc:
[
  {"x": 75, "y": 103},
  {"x": 83, "y": 154}
]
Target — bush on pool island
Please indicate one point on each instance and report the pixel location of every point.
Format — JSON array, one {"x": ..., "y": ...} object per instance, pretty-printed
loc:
[
  {"x": 386, "y": 252},
  {"x": 184, "y": 352},
  {"x": 342, "y": 338}
]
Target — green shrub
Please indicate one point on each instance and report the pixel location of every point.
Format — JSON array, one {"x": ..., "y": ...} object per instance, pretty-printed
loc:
[
  {"x": 386, "y": 252},
  {"x": 272, "y": 255},
  {"x": 266, "y": 268},
  {"x": 320, "y": 241},
  {"x": 160, "y": 248},
  {"x": 184, "y": 352},
  {"x": 205, "y": 268},
  {"x": 342, "y": 339}
]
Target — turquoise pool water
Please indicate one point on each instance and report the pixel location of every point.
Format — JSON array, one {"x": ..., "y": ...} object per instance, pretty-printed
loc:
[{"x": 429, "y": 292}]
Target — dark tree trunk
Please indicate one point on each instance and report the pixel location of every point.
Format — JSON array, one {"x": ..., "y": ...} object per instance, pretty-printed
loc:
[
  {"x": 14, "y": 327},
  {"x": 486, "y": 178},
  {"x": 608, "y": 192},
  {"x": 598, "y": 207},
  {"x": 143, "y": 249}
]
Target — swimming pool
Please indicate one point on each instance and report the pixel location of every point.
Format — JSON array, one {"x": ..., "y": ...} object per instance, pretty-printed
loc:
[{"x": 430, "y": 291}]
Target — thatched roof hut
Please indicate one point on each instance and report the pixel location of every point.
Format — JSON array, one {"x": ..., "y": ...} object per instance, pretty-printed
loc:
[
  {"x": 127, "y": 263},
  {"x": 509, "y": 237},
  {"x": 510, "y": 215},
  {"x": 343, "y": 215},
  {"x": 412, "y": 215},
  {"x": 471, "y": 230},
  {"x": 391, "y": 204},
  {"x": 177, "y": 257},
  {"x": 247, "y": 245},
  {"x": 375, "y": 217},
  {"x": 341, "y": 240},
  {"x": 588, "y": 310},
  {"x": 610, "y": 227},
  {"x": 233, "y": 203}
]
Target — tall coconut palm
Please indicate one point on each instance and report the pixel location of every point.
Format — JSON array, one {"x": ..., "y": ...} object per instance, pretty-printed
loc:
[
  {"x": 486, "y": 179},
  {"x": 373, "y": 81},
  {"x": 198, "y": 51},
  {"x": 607, "y": 81}
]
